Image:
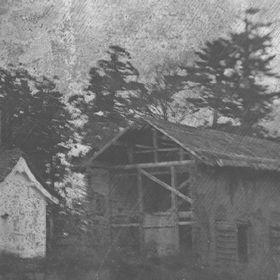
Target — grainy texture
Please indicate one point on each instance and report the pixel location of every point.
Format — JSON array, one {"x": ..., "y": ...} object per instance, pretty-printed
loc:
[
  {"x": 245, "y": 198},
  {"x": 214, "y": 147},
  {"x": 67, "y": 37},
  {"x": 23, "y": 216},
  {"x": 224, "y": 149},
  {"x": 236, "y": 213},
  {"x": 23, "y": 204},
  {"x": 8, "y": 160}
]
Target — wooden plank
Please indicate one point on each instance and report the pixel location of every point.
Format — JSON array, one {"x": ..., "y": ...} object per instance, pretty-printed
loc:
[
  {"x": 158, "y": 226},
  {"x": 174, "y": 203},
  {"x": 152, "y": 165},
  {"x": 144, "y": 152},
  {"x": 109, "y": 144},
  {"x": 158, "y": 150},
  {"x": 130, "y": 154},
  {"x": 227, "y": 237},
  {"x": 125, "y": 225},
  {"x": 134, "y": 174},
  {"x": 155, "y": 144},
  {"x": 141, "y": 209},
  {"x": 185, "y": 223},
  {"x": 110, "y": 208},
  {"x": 166, "y": 186},
  {"x": 192, "y": 152},
  {"x": 184, "y": 184},
  {"x": 173, "y": 185},
  {"x": 143, "y": 146}
]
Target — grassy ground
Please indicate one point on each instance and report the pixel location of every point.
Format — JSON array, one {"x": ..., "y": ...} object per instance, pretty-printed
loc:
[
  {"x": 77, "y": 264},
  {"x": 172, "y": 268}
]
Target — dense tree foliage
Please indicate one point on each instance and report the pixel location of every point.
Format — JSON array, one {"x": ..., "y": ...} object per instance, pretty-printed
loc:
[
  {"x": 228, "y": 77},
  {"x": 115, "y": 95},
  {"x": 162, "y": 98},
  {"x": 232, "y": 75},
  {"x": 34, "y": 119},
  {"x": 106, "y": 101}
]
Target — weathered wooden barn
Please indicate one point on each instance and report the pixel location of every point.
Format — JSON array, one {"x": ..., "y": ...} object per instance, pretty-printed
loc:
[
  {"x": 23, "y": 207},
  {"x": 161, "y": 187}
]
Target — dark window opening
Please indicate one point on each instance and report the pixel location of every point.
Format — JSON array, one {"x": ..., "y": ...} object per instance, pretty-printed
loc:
[
  {"x": 184, "y": 205},
  {"x": 156, "y": 198},
  {"x": 184, "y": 188},
  {"x": 143, "y": 157},
  {"x": 168, "y": 156},
  {"x": 242, "y": 243}
]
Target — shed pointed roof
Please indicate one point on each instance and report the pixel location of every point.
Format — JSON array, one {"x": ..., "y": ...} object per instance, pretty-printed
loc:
[{"x": 9, "y": 158}]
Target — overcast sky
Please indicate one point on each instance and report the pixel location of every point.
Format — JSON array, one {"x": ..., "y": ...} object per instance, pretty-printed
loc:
[{"x": 66, "y": 37}]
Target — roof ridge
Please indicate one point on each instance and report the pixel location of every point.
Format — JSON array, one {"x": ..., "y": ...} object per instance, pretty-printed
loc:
[
  {"x": 212, "y": 146},
  {"x": 212, "y": 130}
]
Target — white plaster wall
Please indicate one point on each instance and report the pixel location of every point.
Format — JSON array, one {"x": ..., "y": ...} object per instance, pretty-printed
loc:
[{"x": 24, "y": 230}]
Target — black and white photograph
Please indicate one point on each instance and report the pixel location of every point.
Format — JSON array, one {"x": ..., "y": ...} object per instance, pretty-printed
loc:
[{"x": 139, "y": 139}]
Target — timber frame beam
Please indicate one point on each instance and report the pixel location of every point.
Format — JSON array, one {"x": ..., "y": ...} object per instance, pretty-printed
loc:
[
  {"x": 158, "y": 164},
  {"x": 166, "y": 186},
  {"x": 184, "y": 184}
]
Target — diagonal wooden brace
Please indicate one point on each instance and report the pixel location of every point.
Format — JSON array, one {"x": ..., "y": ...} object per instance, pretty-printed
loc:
[
  {"x": 184, "y": 184},
  {"x": 166, "y": 186}
]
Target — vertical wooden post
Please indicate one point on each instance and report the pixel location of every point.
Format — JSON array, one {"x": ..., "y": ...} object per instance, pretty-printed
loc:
[
  {"x": 193, "y": 172},
  {"x": 0, "y": 127},
  {"x": 155, "y": 144},
  {"x": 141, "y": 210},
  {"x": 174, "y": 204},
  {"x": 130, "y": 154},
  {"x": 110, "y": 209},
  {"x": 173, "y": 185},
  {"x": 181, "y": 154}
]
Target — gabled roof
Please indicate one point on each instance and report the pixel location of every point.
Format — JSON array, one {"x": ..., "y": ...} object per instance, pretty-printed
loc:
[
  {"x": 214, "y": 147},
  {"x": 11, "y": 159},
  {"x": 220, "y": 148}
]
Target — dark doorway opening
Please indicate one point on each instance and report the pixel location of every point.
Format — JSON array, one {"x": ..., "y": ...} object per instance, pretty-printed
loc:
[{"x": 242, "y": 243}]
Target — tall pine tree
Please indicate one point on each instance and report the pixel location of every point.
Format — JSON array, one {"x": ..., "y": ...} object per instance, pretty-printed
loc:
[
  {"x": 233, "y": 73},
  {"x": 106, "y": 101},
  {"x": 162, "y": 98}
]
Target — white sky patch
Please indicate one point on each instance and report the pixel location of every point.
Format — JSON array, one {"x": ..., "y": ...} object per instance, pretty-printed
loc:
[
  {"x": 99, "y": 113},
  {"x": 79, "y": 149},
  {"x": 80, "y": 121},
  {"x": 75, "y": 186}
]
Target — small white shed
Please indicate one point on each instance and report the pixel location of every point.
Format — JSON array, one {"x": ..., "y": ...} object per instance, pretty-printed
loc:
[{"x": 23, "y": 204}]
